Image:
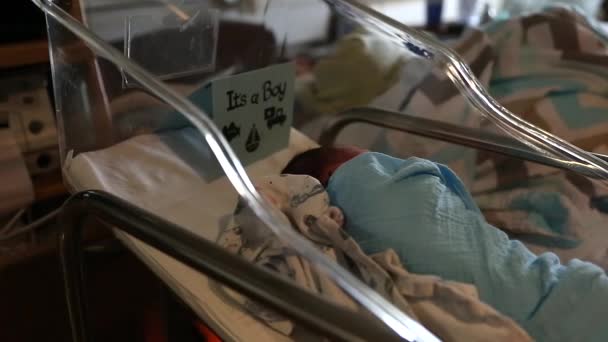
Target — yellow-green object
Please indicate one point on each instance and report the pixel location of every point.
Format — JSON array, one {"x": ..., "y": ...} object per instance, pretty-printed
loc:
[{"x": 362, "y": 67}]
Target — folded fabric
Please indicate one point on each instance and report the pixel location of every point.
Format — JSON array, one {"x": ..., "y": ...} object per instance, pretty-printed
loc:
[
  {"x": 548, "y": 68},
  {"x": 422, "y": 211},
  {"x": 449, "y": 309}
]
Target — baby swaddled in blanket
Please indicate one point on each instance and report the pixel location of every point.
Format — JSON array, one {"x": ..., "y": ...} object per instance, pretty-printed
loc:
[
  {"x": 450, "y": 310},
  {"x": 421, "y": 210}
]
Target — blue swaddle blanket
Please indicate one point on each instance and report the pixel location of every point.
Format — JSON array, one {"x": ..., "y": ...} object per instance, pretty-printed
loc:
[{"x": 422, "y": 211}]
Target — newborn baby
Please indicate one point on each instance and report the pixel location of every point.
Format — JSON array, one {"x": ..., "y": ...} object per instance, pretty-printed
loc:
[
  {"x": 422, "y": 211},
  {"x": 450, "y": 310}
]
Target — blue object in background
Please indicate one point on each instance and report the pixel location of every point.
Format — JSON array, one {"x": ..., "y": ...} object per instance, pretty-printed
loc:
[{"x": 434, "y": 9}]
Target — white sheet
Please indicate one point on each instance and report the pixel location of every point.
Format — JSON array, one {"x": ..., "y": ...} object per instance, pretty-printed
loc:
[{"x": 150, "y": 171}]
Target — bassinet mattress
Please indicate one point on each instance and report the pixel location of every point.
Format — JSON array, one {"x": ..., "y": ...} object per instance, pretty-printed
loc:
[{"x": 159, "y": 173}]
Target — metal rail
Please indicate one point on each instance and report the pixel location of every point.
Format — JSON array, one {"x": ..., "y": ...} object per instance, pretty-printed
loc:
[
  {"x": 267, "y": 288},
  {"x": 465, "y": 136}
]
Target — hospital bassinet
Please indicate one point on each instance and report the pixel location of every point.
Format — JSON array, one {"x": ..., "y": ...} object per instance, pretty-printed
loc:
[{"x": 123, "y": 72}]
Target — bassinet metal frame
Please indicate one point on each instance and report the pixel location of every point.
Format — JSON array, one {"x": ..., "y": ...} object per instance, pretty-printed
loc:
[{"x": 460, "y": 135}]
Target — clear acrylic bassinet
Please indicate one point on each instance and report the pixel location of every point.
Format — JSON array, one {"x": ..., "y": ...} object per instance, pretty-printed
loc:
[{"x": 125, "y": 70}]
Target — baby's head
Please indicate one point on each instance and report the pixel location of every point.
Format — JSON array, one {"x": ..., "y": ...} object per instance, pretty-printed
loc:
[{"x": 321, "y": 162}]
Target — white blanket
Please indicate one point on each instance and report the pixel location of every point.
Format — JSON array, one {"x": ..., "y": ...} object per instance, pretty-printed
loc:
[{"x": 157, "y": 173}]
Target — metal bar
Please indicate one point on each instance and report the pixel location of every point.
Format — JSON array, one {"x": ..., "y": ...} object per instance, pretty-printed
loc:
[
  {"x": 256, "y": 283},
  {"x": 464, "y": 136}
]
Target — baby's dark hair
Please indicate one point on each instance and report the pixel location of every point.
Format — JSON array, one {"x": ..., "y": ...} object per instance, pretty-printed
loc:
[
  {"x": 320, "y": 162},
  {"x": 310, "y": 162}
]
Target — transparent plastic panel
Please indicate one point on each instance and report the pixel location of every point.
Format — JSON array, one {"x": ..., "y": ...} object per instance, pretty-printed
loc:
[
  {"x": 143, "y": 131},
  {"x": 128, "y": 94},
  {"x": 151, "y": 39}
]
